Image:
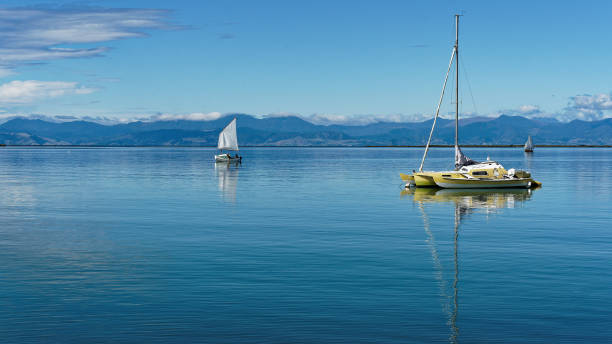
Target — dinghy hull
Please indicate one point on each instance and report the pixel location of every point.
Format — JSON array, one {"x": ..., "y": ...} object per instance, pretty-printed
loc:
[{"x": 227, "y": 158}]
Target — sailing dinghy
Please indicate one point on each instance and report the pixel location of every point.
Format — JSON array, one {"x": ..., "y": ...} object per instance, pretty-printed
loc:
[{"x": 228, "y": 140}]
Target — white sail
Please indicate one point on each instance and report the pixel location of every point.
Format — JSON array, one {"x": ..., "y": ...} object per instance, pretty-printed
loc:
[
  {"x": 228, "y": 139},
  {"x": 529, "y": 145},
  {"x": 462, "y": 159}
]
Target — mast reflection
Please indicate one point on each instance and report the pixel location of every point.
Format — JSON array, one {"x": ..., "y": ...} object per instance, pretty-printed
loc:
[{"x": 466, "y": 201}]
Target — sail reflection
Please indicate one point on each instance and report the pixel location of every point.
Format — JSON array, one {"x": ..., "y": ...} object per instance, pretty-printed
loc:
[
  {"x": 227, "y": 174},
  {"x": 466, "y": 201},
  {"x": 529, "y": 161}
]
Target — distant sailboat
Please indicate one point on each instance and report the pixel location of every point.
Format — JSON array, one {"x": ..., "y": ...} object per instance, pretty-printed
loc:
[
  {"x": 228, "y": 140},
  {"x": 529, "y": 145}
]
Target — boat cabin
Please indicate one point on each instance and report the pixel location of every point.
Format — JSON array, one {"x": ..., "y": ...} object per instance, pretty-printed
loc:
[{"x": 487, "y": 169}]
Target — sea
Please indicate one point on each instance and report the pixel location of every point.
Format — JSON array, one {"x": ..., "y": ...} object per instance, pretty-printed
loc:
[{"x": 300, "y": 245}]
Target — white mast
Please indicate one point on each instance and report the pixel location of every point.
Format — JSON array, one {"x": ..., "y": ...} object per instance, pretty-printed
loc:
[
  {"x": 456, "y": 80},
  {"x": 455, "y": 56},
  {"x": 460, "y": 158}
]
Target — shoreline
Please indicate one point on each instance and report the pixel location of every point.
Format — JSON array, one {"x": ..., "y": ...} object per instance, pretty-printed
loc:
[{"x": 272, "y": 146}]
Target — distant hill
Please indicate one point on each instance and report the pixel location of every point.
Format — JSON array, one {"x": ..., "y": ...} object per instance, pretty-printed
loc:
[{"x": 294, "y": 131}]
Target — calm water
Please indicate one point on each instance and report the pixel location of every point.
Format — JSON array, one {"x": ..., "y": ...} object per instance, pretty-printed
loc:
[{"x": 300, "y": 246}]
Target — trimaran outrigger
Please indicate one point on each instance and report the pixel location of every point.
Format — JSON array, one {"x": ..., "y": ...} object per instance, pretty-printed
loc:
[{"x": 467, "y": 173}]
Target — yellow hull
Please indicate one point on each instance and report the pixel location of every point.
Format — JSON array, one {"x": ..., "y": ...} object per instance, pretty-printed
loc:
[
  {"x": 456, "y": 180},
  {"x": 424, "y": 179},
  {"x": 407, "y": 177},
  {"x": 464, "y": 183},
  {"x": 419, "y": 179}
]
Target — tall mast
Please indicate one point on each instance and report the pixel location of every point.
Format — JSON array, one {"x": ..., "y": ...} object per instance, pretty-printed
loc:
[
  {"x": 457, "y": 80},
  {"x": 450, "y": 64}
]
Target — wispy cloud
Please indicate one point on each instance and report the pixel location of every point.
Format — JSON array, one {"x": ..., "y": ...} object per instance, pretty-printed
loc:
[
  {"x": 12, "y": 57},
  {"x": 25, "y": 92},
  {"x": 4, "y": 72},
  {"x": 40, "y": 34},
  {"x": 330, "y": 119},
  {"x": 7, "y": 115},
  {"x": 195, "y": 116},
  {"x": 527, "y": 110},
  {"x": 583, "y": 107}
]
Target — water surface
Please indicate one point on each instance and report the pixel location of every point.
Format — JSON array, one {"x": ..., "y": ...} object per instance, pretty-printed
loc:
[{"x": 308, "y": 245}]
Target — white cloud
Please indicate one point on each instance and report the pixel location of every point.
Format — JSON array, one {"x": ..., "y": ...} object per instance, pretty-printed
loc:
[
  {"x": 601, "y": 101},
  {"x": 48, "y": 27},
  {"x": 10, "y": 57},
  {"x": 4, "y": 72},
  {"x": 195, "y": 116},
  {"x": 331, "y": 119},
  {"x": 583, "y": 107},
  {"x": 589, "y": 107},
  {"x": 25, "y": 92},
  {"x": 7, "y": 116},
  {"x": 530, "y": 110},
  {"x": 37, "y": 34}
]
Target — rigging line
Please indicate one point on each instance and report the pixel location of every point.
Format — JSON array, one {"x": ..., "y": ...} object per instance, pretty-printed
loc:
[
  {"x": 450, "y": 112},
  {"x": 450, "y": 63},
  {"x": 465, "y": 73}
]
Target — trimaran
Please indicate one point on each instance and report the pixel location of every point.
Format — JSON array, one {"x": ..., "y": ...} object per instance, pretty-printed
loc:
[{"x": 467, "y": 173}]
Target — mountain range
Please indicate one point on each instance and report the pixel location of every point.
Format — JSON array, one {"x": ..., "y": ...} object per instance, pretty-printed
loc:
[{"x": 295, "y": 131}]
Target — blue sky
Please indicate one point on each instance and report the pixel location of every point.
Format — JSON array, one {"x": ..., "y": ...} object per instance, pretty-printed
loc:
[{"x": 328, "y": 61}]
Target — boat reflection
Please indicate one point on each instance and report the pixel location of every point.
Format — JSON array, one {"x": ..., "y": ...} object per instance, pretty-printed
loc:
[
  {"x": 466, "y": 201},
  {"x": 227, "y": 175},
  {"x": 471, "y": 200},
  {"x": 529, "y": 161}
]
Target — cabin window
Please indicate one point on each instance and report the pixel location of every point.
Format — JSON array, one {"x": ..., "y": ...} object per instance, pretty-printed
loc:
[
  {"x": 446, "y": 175},
  {"x": 479, "y": 173}
]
